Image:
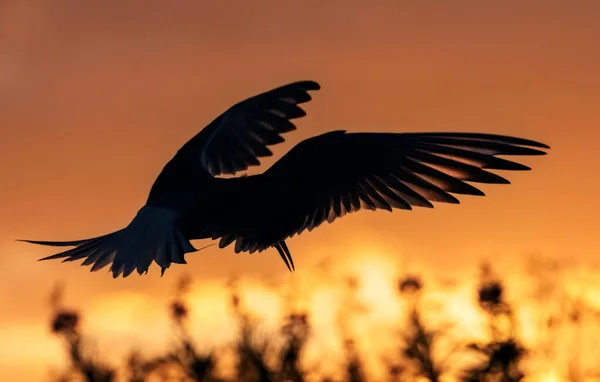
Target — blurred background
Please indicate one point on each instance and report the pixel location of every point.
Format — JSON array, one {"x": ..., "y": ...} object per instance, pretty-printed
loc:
[{"x": 96, "y": 96}]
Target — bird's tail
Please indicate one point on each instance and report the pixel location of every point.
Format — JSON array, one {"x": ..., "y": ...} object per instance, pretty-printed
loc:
[{"x": 152, "y": 235}]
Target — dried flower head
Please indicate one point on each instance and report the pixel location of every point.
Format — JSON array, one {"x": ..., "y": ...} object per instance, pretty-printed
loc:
[
  {"x": 410, "y": 284},
  {"x": 65, "y": 322},
  {"x": 490, "y": 294},
  {"x": 179, "y": 310}
]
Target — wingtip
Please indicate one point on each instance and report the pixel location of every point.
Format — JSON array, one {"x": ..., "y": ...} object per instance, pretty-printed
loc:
[
  {"x": 536, "y": 152},
  {"x": 539, "y": 145},
  {"x": 28, "y": 241},
  {"x": 72, "y": 243},
  {"x": 311, "y": 85},
  {"x": 37, "y": 242}
]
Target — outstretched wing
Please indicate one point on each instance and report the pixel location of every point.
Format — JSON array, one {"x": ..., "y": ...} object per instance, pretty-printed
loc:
[
  {"x": 237, "y": 138},
  {"x": 327, "y": 176}
]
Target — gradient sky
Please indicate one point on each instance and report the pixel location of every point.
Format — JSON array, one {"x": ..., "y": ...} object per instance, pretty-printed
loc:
[{"x": 96, "y": 96}]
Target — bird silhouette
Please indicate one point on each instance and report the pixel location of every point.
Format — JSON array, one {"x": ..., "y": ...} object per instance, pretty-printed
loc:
[{"x": 321, "y": 179}]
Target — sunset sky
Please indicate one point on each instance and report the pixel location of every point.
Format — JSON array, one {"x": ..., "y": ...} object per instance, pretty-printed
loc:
[{"x": 96, "y": 96}]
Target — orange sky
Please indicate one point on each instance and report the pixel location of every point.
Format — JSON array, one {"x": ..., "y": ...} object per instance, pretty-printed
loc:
[{"x": 96, "y": 96}]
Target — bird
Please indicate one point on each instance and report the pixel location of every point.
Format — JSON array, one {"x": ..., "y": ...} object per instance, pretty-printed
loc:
[{"x": 197, "y": 195}]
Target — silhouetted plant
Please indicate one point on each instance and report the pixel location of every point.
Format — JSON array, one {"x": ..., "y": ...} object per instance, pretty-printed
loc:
[
  {"x": 418, "y": 348},
  {"x": 196, "y": 366},
  {"x": 491, "y": 300},
  {"x": 296, "y": 331},
  {"x": 351, "y": 306},
  {"x": 500, "y": 363},
  {"x": 501, "y": 357},
  {"x": 65, "y": 324},
  {"x": 354, "y": 367},
  {"x": 252, "y": 352},
  {"x": 140, "y": 369},
  {"x": 258, "y": 358}
]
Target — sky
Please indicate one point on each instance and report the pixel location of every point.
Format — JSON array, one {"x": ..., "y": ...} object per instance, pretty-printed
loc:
[{"x": 96, "y": 96}]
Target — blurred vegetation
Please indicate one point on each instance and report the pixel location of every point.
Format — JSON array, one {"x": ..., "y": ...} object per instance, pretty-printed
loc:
[{"x": 258, "y": 356}]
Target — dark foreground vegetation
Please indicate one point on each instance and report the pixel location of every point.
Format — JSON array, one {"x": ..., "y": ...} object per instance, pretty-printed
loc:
[{"x": 256, "y": 357}]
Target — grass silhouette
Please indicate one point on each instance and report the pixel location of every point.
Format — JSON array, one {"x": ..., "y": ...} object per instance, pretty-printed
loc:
[{"x": 278, "y": 356}]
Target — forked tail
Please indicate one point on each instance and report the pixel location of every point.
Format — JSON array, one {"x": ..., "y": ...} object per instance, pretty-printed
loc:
[{"x": 152, "y": 235}]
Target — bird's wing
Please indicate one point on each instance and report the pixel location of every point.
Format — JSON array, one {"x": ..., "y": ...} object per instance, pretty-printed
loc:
[
  {"x": 238, "y": 137},
  {"x": 327, "y": 176}
]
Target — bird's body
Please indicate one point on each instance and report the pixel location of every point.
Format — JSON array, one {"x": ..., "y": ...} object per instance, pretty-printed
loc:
[{"x": 320, "y": 179}]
